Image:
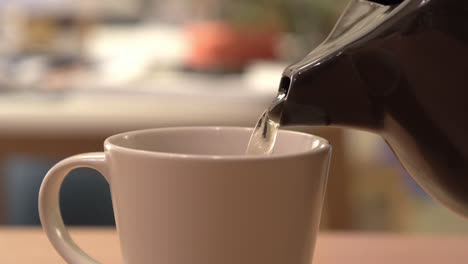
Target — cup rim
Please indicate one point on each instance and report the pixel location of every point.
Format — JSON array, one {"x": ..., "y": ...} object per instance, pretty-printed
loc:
[{"x": 323, "y": 146}]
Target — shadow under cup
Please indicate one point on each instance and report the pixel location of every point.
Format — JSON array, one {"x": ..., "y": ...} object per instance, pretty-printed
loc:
[{"x": 190, "y": 195}]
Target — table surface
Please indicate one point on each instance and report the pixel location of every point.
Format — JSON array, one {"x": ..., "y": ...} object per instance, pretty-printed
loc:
[{"x": 30, "y": 245}]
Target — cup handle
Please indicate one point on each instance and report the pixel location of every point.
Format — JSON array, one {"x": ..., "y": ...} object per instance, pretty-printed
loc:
[{"x": 49, "y": 207}]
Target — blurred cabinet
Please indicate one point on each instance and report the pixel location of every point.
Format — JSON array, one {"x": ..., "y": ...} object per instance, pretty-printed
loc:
[{"x": 384, "y": 197}]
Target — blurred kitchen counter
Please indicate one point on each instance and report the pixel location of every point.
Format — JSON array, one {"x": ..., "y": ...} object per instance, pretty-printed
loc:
[
  {"x": 108, "y": 112},
  {"x": 60, "y": 124},
  {"x": 30, "y": 245},
  {"x": 57, "y": 124}
]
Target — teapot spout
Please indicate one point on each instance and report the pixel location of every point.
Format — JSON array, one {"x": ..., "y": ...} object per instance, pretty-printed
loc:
[
  {"x": 331, "y": 94},
  {"x": 325, "y": 87}
]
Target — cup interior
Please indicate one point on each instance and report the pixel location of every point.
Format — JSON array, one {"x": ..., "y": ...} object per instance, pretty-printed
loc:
[{"x": 211, "y": 141}]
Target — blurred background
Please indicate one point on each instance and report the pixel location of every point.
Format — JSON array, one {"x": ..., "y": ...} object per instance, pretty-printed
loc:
[{"x": 74, "y": 72}]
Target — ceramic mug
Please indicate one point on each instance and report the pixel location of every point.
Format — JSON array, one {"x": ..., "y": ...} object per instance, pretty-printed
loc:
[{"x": 190, "y": 195}]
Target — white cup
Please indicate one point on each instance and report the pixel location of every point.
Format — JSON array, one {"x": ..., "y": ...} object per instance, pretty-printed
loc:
[{"x": 189, "y": 195}]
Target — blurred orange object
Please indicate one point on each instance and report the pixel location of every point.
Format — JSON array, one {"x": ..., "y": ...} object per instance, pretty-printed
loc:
[{"x": 218, "y": 45}]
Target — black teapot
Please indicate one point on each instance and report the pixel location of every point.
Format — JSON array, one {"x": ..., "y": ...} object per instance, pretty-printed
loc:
[{"x": 398, "y": 69}]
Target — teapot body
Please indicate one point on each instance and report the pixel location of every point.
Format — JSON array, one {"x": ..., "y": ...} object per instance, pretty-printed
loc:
[{"x": 401, "y": 71}]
